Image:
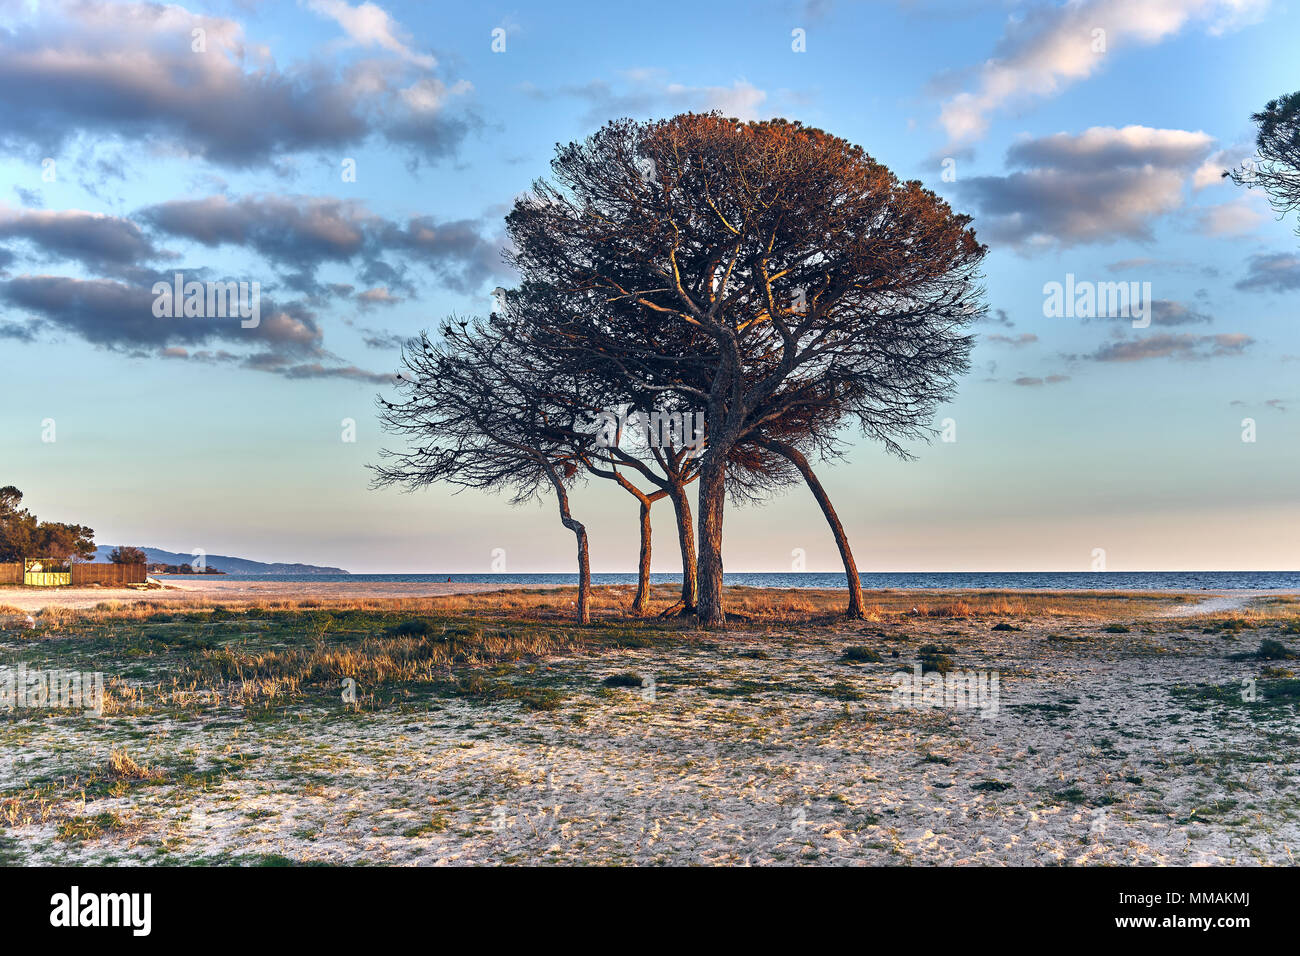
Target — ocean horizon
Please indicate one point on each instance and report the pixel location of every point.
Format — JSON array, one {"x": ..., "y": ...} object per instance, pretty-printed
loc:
[{"x": 903, "y": 580}]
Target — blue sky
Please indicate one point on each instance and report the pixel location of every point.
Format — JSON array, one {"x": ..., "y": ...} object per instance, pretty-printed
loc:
[{"x": 1077, "y": 153}]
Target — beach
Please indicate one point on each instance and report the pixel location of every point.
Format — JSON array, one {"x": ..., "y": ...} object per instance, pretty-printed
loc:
[
  {"x": 200, "y": 590},
  {"x": 1073, "y": 729},
  {"x": 212, "y": 589}
]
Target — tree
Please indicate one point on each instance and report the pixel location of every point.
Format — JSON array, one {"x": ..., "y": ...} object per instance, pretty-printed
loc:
[
  {"x": 23, "y": 536},
  {"x": 127, "y": 555},
  {"x": 17, "y": 526},
  {"x": 537, "y": 321},
  {"x": 607, "y": 466},
  {"x": 670, "y": 467},
  {"x": 477, "y": 414},
  {"x": 1277, "y": 145},
  {"x": 811, "y": 425},
  {"x": 650, "y": 431},
  {"x": 738, "y": 265},
  {"x": 64, "y": 541}
]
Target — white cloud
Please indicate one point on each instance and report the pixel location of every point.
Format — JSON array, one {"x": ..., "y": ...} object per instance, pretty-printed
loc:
[
  {"x": 430, "y": 94},
  {"x": 128, "y": 72},
  {"x": 742, "y": 99},
  {"x": 1095, "y": 186},
  {"x": 1210, "y": 172},
  {"x": 644, "y": 92},
  {"x": 1235, "y": 218},
  {"x": 369, "y": 25},
  {"x": 1052, "y": 48},
  {"x": 1108, "y": 146}
]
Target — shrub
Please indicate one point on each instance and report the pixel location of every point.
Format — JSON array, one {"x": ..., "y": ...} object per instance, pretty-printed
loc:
[
  {"x": 626, "y": 679},
  {"x": 416, "y": 627},
  {"x": 934, "y": 657},
  {"x": 1270, "y": 650}
]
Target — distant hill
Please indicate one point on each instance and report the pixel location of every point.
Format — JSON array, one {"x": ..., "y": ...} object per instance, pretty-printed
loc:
[{"x": 222, "y": 562}]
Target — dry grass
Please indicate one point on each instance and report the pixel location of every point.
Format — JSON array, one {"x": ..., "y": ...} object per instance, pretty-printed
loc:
[
  {"x": 744, "y": 604},
  {"x": 260, "y": 679},
  {"x": 122, "y": 766},
  {"x": 374, "y": 660},
  {"x": 1268, "y": 609},
  {"x": 24, "y": 810}
]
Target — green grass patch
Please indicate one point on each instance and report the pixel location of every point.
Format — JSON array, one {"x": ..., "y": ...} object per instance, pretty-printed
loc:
[{"x": 81, "y": 829}]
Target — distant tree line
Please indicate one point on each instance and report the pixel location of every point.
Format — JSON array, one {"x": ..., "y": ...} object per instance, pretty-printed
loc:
[{"x": 181, "y": 569}]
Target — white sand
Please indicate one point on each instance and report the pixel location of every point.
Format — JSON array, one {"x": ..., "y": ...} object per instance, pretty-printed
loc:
[{"x": 736, "y": 760}]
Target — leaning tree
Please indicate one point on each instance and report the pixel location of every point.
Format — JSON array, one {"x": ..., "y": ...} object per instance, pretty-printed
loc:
[
  {"x": 477, "y": 412},
  {"x": 738, "y": 265},
  {"x": 530, "y": 321}
]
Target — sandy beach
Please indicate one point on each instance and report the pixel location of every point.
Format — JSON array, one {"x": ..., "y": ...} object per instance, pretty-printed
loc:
[
  {"x": 487, "y": 730},
  {"x": 213, "y": 590}
]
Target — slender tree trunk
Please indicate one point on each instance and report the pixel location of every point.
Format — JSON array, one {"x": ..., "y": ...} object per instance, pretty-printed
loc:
[
  {"x": 686, "y": 541},
  {"x": 580, "y": 532},
  {"x": 713, "y": 489},
  {"x": 855, "y": 610},
  {"x": 641, "y": 603},
  {"x": 584, "y": 572}
]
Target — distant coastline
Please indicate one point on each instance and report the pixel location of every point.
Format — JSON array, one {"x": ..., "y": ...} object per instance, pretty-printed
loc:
[
  {"x": 228, "y": 564},
  {"x": 977, "y": 580}
]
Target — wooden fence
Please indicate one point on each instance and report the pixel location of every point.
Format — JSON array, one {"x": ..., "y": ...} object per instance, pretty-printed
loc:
[
  {"x": 12, "y": 573},
  {"x": 108, "y": 574}
]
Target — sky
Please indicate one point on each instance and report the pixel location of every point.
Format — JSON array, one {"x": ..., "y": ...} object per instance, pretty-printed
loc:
[{"x": 357, "y": 161}]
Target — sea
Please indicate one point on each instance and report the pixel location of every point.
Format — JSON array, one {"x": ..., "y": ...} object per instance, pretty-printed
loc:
[{"x": 903, "y": 580}]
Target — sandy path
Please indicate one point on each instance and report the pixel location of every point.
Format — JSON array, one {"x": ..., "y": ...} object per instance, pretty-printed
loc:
[
  {"x": 1220, "y": 602},
  {"x": 218, "y": 591}
]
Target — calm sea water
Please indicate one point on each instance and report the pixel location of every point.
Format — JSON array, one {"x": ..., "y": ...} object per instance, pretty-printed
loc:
[{"x": 994, "y": 580}]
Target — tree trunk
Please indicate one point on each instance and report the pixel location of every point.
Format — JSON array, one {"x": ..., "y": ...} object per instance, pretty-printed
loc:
[
  {"x": 686, "y": 540},
  {"x": 641, "y": 603},
  {"x": 584, "y": 573},
  {"x": 580, "y": 532},
  {"x": 713, "y": 490},
  {"x": 855, "y": 610}
]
